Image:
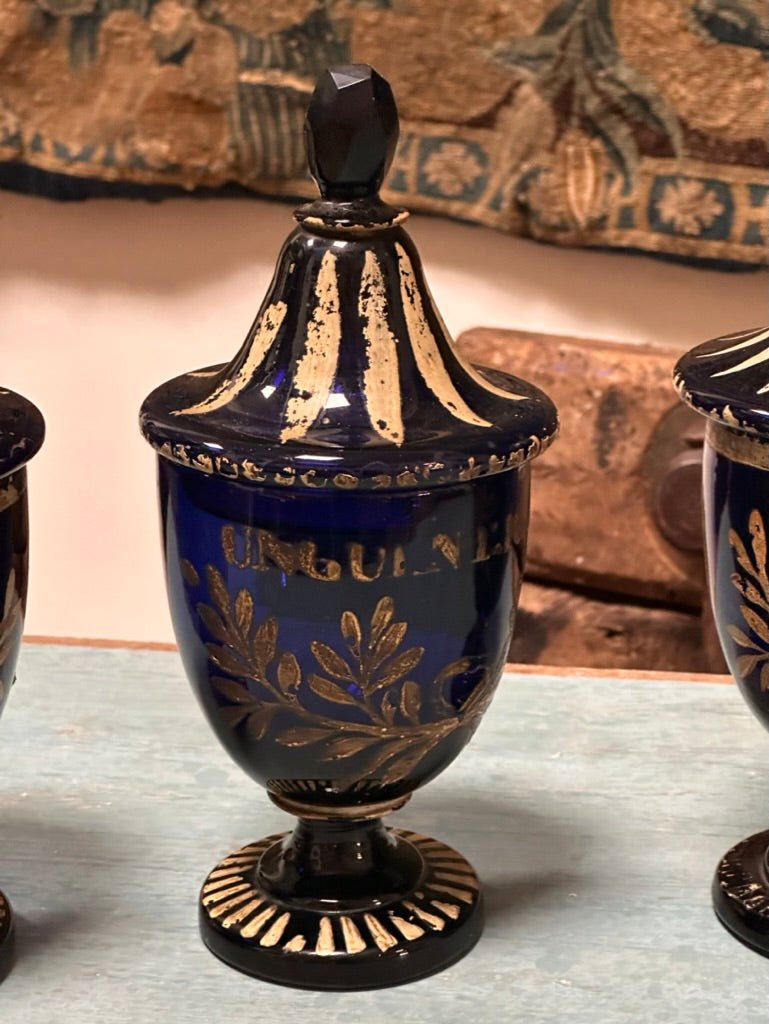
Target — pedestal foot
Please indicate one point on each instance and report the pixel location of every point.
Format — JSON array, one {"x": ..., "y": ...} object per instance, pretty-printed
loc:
[
  {"x": 6, "y": 936},
  {"x": 741, "y": 892},
  {"x": 321, "y": 929}
]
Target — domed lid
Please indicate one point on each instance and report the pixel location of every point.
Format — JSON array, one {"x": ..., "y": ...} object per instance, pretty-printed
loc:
[
  {"x": 22, "y": 431},
  {"x": 727, "y": 379},
  {"x": 348, "y": 376}
]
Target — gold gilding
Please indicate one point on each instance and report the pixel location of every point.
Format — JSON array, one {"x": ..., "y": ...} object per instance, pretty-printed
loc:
[
  {"x": 400, "y": 722},
  {"x": 337, "y": 229},
  {"x": 383, "y": 939},
  {"x": 263, "y": 337},
  {"x": 739, "y": 342},
  {"x": 274, "y": 933},
  {"x": 427, "y": 354},
  {"x": 752, "y": 582},
  {"x": 9, "y": 495},
  {"x": 412, "y": 476},
  {"x": 254, "y": 926},
  {"x": 258, "y": 918},
  {"x": 10, "y": 625},
  {"x": 322, "y": 812},
  {"x": 315, "y": 370},
  {"x": 361, "y": 568},
  {"x": 353, "y": 940},
  {"x": 448, "y": 547},
  {"x": 749, "y": 449},
  {"x": 220, "y": 909},
  {"x": 380, "y": 379},
  {"x": 449, "y": 909},
  {"x": 471, "y": 372},
  {"x": 262, "y": 550},
  {"x": 408, "y": 930},
  {"x": 325, "y": 943},
  {"x": 458, "y": 894},
  {"x": 242, "y": 913},
  {"x": 431, "y": 920}
]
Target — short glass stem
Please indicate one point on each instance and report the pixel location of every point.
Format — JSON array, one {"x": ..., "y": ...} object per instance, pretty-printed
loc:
[{"x": 346, "y": 862}]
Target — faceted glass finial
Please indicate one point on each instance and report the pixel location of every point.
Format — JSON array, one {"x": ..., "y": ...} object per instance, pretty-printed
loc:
[{"x": 351, "y": 131}]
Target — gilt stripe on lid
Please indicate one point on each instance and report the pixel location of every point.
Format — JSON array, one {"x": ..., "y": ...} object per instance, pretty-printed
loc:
[
  {"x": 425, "y": 347},
  {"x": 380, "y": 379},
  {"x": 264, "y": 335},
  {"x": 316, "y": 369}
]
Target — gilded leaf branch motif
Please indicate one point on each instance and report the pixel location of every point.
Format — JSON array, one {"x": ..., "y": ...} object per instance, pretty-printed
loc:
[
  {"x": 387, "y": 728},
  {"x": 10, "y": 625},
  {"x": 752, "y": 582}
]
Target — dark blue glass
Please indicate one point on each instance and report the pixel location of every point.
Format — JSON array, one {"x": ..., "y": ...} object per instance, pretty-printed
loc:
[
  {"x": 736, "y": 514},
  {"x": 725, "y": 380},
  {"x": 14, "y": 544},
  {"x": 444, "y": 563},
  {"x": 21, "y": 435},
  {"x": 345, "y": 506}
]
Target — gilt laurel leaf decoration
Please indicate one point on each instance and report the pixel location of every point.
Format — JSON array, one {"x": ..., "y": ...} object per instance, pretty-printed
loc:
[
  {"x": 753, "y": 586},
  {"x": 265, "y": 690}
]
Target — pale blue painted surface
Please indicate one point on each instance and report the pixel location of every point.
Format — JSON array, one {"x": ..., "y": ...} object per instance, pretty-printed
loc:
[{"x": 595, "y": 811}]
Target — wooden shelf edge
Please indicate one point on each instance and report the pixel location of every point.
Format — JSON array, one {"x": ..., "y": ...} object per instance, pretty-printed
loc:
[{"x": 518, "y": 669}]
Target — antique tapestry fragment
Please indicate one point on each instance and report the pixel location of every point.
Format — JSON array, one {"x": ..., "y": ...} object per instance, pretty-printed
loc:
[{"x": 606, "y": 123}]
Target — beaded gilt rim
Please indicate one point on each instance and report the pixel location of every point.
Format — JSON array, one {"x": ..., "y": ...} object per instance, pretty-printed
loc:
[{"x": 286, "y": 475}]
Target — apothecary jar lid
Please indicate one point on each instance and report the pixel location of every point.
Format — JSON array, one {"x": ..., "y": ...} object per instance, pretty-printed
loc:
[
  {"x": 348, "y": 377},
  {"x": 22, "y": 431},
  {"x": 727, "y": 380}
]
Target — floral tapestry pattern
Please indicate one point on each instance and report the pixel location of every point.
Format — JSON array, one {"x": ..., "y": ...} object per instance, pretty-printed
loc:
[{"x": 580, "y": 122}]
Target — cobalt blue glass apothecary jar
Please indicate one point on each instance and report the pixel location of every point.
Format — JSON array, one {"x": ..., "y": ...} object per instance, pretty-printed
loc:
[
  {"x": 21, "y": 435},
  {"x": 727, "y": 380},
  {"x": 344, "y": 508}
]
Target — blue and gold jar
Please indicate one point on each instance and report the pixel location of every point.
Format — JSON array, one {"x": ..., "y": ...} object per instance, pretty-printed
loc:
[
  {"x": 727, "y": 380},
  {"x": 345, "y": 507},
  {"x": 21, "y": 434}
]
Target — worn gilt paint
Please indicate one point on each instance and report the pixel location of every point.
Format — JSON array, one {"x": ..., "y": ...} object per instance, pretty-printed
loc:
[
  {"x": 10, "y": 493},
  {"x": 429, "y": 473},
  {"x": 371, "y": 675},
  {"x": 10, "y": 626},
  {"x": 749, "y": 449},
  {"x": 752, "y": 582},
  {"x": 405, "y": 921},
  {"x": 739, "y": 342},
  {"x": 381, "y": 380},
  {"x": 264, "y": 335},
  {"x": 426, "y": 352},
  {"x": 262, "y": 550},
  {"x": 316, "y": 368}
]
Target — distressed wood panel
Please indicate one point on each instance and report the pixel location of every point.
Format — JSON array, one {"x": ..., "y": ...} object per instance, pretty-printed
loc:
[
  {"x": 593, "y": 496},
  {"x": 557, "y": 626}
]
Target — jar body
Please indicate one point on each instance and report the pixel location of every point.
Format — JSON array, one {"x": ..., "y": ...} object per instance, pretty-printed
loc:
[
  {"x": 14, "y": 554},
  {"x": 736, "y": 502},
  {"x": 344, "y": 644}
]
